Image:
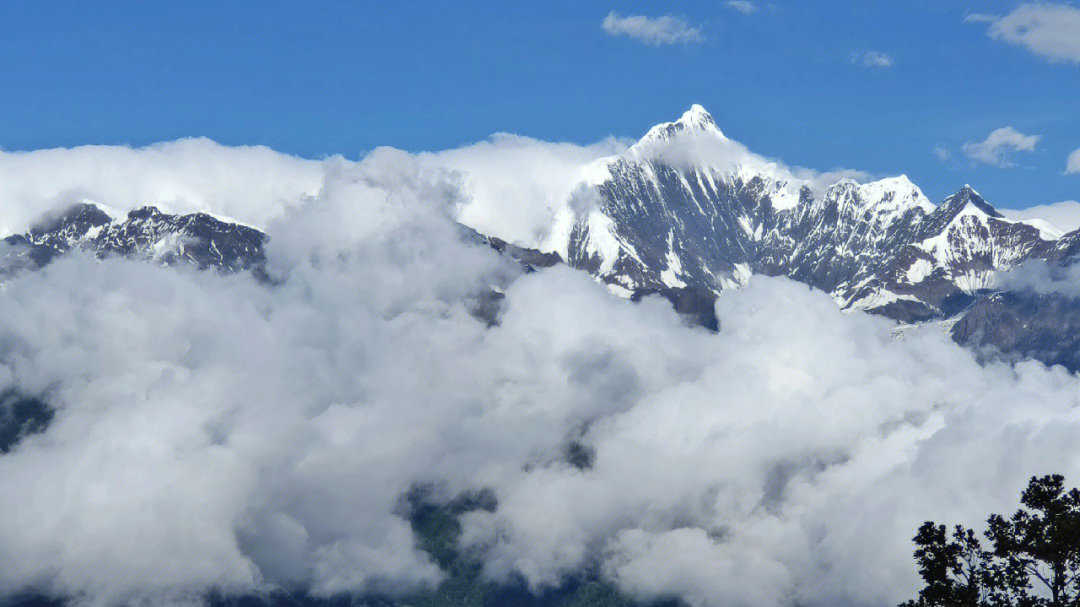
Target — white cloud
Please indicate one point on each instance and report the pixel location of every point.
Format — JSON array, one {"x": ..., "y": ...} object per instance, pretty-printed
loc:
[
  {"x": 189, "y": 507},
  {"x": 215, "y": 433},
  {"x": 252, "y": 183},
  {"x": 1049, "y": 30},
  {"x": 743, "y": 6},
  {"x": 1041, "y": 277},
  {"x": 1065, "y": 215},
  {"x": 668, "y": 29},
  {"x": 688, "y": 563},
  {"x": 980, "y": 18},
  {"x": 1072, "y": 164},
  {"x": 942, "y": 152},
  {"x": 996, "y": 148},
  {"x": 256, "y": 185},
  {"x": 872, "y": 59},
  {"x": 538, "y": 177},
  {"x": 762, "y": 518}
]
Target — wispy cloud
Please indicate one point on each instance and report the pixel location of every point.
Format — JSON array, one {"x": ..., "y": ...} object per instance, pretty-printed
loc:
[
  {"x": 998, "y": 145},
  {"x": 872, "y": 59},
  {"x": 1072, "y": 165},
  {"x": 942, "y": 152},
  {"x": 1049, "y": 30},
  {"x": 743, "y": 6},
  {"x": 668, "y": 29}
]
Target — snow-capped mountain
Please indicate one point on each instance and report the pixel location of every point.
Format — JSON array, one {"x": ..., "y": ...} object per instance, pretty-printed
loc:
[
  {"x": 146, "y": 233},
  {"x": 687, "y": 213},
  {"x": 685, "y": 207}
]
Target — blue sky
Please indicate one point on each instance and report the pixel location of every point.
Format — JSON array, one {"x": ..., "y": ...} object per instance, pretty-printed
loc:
[{"x": 875, "y": 86}]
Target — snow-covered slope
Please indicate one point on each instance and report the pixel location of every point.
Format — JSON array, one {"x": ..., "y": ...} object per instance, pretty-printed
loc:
[{"x": 688, "y": 208}]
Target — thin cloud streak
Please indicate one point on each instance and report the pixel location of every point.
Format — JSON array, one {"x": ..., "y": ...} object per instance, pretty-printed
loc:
[
  {"x": 743, "y": 6},
  {"x": 656, "y": 31},
  {"x": 875, "y": 59}
]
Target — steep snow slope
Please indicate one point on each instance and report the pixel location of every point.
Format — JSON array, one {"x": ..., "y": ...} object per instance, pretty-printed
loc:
[{"x": 688, "y": 208}]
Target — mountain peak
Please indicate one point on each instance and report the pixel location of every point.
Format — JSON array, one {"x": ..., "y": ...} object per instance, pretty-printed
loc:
[
  {"x": 81, "y": 217},
  {"x": 145, "y": 212},
  {"x": 968, "y": 196},
  {"x": 698, "y": 116},
  {"x": 694, "y": 120},
  {"x": 897, "y": 192}
]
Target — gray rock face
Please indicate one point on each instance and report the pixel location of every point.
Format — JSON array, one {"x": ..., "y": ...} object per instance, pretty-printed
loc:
[
  {"x": 1021, "y": 324},
  {"x": 881, "y": 246},
  {"x": 674, "y": 228},
  {"x": 687, "y": 231}
]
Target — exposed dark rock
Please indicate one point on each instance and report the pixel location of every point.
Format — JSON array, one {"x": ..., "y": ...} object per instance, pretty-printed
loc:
[
  {"x": 146, "y": 233},
  {"x": 697, "y": 305},
  {"x": 21, "y": 416},
  {"x": 1023, "y": 324}
]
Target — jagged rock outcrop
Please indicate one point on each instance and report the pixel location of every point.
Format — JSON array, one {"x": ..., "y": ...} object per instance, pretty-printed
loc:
[
  {"x": 687, "y": 208},
  {"x": 145, "y": 233}
]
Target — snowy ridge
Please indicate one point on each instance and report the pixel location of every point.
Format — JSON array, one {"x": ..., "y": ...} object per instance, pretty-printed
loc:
[
  {"x": 694, "y": 119},
  {"x": 146, "y": 233},
  {"x": 685, "y": 207}
]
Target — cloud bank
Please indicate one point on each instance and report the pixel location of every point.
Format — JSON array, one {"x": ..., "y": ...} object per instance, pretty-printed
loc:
[
  {"x": 523, "y": 190},
  {"x": 215, "y": 433},
  {"x": 517, "y": 187},
  {"x": 656, "y": 31},
  {"x": 1041, "y": 277},
  {"x": 1064, "y": 215},
  {"x": 250, "y": 183}
]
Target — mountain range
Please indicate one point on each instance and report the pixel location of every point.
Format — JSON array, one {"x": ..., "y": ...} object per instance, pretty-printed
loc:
[{"x": 686, "y": 213}]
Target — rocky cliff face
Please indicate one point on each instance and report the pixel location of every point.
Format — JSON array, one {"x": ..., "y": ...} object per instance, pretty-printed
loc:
[
  {"x": 670, "y": 216},
  {"x": 145, "y": 233}
]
